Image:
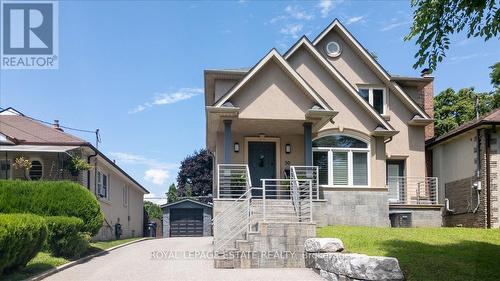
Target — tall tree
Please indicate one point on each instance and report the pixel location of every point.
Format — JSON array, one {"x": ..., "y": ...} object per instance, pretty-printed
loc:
[
  {"x": 172, "y": 194},
  {"x": 452, "y": 109},
  {"x": 153, "y": 210},
  {"x": 195, "y": 175},
  {"x": 435, "y": 20},
  {"x": 495, "y": 75}
]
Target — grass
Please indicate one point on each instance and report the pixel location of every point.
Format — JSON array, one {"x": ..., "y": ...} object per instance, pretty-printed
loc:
[
  {"x": 44, "y": 261},
  {"x": 428, "y": 253}
]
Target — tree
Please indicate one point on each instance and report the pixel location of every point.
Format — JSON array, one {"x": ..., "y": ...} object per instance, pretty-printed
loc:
[
  {"x": 172, "y": 194},
  {"x": 153, "y": 210},
  {"x": 435, "y": 20},
  {"x": 452, "y": 109},
  {"x": 195, "y": 175},
  {"x": 495, "y": 75}
]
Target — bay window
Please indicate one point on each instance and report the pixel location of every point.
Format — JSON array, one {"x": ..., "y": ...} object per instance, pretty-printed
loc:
[
  {"x": 342, "y": 160},
  {"x": 375, "y": 97}
]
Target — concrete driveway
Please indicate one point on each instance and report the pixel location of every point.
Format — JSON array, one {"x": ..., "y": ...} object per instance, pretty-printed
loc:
[{"x": 171, "y": 259}]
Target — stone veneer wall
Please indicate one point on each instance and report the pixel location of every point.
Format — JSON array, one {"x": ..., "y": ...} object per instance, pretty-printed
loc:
[{"x": 367, "y": 208}]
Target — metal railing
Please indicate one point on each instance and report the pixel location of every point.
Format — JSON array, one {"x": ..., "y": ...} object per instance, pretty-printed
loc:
[
  {"x": 307, "y": 172},
  {"x": 413, "y": 190},
  {"x": 233, "y": 223},
  {"x": 287, "y": 200},
  {"x": 233, "y": 180}
]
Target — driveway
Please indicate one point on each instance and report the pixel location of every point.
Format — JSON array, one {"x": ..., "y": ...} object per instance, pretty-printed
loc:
[{"x": 169, "y": 259}]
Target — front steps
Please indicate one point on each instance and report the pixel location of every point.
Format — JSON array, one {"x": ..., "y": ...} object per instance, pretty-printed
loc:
[{"x": 271, "y": 245}]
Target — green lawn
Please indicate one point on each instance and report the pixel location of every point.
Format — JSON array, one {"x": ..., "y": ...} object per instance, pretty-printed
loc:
[
  {"x": 45, "y": 261},
  {"x": 427, "y": 254}
]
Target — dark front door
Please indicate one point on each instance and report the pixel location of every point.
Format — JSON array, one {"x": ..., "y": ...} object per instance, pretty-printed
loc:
[
  {"x": 186, "y": 222},
  {"x": 261, "y": 161}
]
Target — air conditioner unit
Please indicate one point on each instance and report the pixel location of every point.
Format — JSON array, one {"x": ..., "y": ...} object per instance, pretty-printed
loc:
[{"x": 400, "y": 219}]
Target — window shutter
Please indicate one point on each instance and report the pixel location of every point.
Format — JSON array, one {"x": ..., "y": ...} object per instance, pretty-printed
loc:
[
  {"x": 340, "y": 168},
  {"x": 360, "y": 168}
]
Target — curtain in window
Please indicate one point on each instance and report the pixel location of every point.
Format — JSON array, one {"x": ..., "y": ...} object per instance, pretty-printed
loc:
[
  {"x": 360, "y": 168},
  {"x": 320, "y": 159},
  {"x": 340, "y": 168},
  {"x": 378, "y": 100}
]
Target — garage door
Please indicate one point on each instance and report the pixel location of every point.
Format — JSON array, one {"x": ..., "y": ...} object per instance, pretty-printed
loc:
[{"x": 186, "y": 222}]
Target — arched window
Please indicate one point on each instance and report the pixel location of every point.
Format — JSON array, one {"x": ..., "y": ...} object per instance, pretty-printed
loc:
[
  {"x": 342, "y": 160},
  {"x": 36, "y": 171}
]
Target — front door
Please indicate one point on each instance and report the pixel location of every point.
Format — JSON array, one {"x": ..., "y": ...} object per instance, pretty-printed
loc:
[
  {"x": 261, "y": 161},
  {"x": 395, "y": 182}
]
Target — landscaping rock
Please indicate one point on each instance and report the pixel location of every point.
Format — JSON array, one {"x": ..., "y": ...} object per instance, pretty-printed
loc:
[
  {"x": 323, "y": 245},
  {"x": 358, "y": 266}
]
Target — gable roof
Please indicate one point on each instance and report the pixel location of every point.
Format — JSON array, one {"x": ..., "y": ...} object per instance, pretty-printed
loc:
[
  {"x": 338, "y": 76},
  {"x": 274, "y": 55},
  {"x": 24, "y": 130},
  {"x": 491, "y": 118},
  {"x": 185, "y": 200},
  {"x": 365, "y": 55}
]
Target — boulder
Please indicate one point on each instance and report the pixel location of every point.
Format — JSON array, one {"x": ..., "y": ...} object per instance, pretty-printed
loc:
[
  {"x": 323, "y": 245},
  {"x": 358, "y": 266}
]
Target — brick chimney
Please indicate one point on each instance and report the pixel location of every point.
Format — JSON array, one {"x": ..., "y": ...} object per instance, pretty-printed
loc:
[
  {"x": 428, "y": 95},
  {"x": 56, "y": 126}
]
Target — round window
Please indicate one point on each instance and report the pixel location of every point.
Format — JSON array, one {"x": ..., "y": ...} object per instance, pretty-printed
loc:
[
  {"x": 36, "y": 171},
  {"x": 333, "y": 49}
]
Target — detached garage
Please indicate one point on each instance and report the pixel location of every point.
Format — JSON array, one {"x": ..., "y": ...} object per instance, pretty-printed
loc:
[{"x": 187, "y": 218}]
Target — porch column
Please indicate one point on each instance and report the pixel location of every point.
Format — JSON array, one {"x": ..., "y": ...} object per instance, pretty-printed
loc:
[
  {"x": 228, "y": 142},
  {"x": 308, "y": 144}
]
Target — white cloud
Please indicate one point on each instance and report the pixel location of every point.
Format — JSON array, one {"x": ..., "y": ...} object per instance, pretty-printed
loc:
[
  {"x": 156, "y": 176},
  {"x": 298, "y": 13},
  {"x": 325, "y": 7},
  {"x": 292, "y": 30},
  {"x": 352, "y": 20},
  {"x": 393, "y": 25},
  {"x": 128, "y": 158},
  {"x": 168, "y": 98}
]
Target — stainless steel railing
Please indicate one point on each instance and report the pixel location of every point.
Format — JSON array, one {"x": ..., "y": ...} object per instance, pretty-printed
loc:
[{"x": 413, "y": 190}]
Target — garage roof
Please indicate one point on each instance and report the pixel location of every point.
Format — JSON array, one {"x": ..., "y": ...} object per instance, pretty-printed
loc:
[{"x": 185, "y": 200}]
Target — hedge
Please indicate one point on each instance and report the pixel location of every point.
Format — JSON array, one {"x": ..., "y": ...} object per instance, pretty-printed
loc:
[
  {"x": 51, "y": 198},
  {"x": 21, "y": 238},
  {"x": 65, "y": 238}
]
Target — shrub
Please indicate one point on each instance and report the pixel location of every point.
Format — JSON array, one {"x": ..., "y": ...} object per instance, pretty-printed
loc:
[
  {"x": 51, "y": 198},
  {"x": 21, "y": 238},
  {"x": 65, "y": 238}
]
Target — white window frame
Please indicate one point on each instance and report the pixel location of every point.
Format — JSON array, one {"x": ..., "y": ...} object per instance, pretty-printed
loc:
[
  {"x": 370, "y": 96},
  {"x": 350, "y": 171},
  {"x": 28, "y": 170},
  {"x": 100, "y": 184}
]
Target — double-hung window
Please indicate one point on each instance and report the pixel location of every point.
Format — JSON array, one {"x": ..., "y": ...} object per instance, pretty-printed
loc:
[
  {"x": 342, "y": 161},
  {"x": 376, "y": 97},
  {"x": 102, "y": 185}
]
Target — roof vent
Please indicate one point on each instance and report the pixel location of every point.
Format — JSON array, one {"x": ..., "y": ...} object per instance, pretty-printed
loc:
[{"x": 56, "y": 126}]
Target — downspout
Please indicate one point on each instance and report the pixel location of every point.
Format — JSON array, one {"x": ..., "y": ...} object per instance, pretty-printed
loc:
[
  {"x": 477, "y": 184},
  {"x": 488, "y": 194},
  {"x": 88, "y": 171}
]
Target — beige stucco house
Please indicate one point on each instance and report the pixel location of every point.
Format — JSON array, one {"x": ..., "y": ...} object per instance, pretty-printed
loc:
[
  {"x": 466, "y": 162},
  {"x": 327, "y": 111},
  {"x": 48, "y": 148}
]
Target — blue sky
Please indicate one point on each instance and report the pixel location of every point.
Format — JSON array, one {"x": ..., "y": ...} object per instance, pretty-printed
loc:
[{"x": 134, "y": 69}]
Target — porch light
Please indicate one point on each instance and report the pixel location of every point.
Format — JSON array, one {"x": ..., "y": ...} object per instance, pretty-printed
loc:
[
  {"x": 288, "y": 148},
  {"x": 236, "y": 147}
]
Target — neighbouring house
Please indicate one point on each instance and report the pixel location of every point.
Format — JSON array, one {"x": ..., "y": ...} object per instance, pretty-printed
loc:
[
  {"x": 50, "y": 151},
  {"x": 466, "y": 161},
  {"x": 187, "y": 217},
  {"x": 321, "y": 134}
]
